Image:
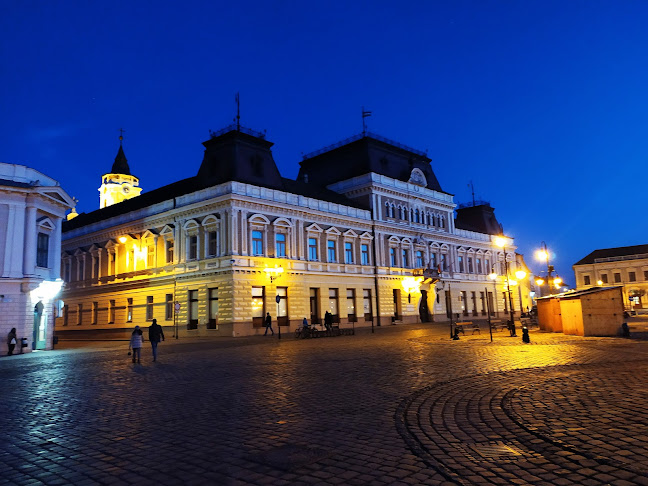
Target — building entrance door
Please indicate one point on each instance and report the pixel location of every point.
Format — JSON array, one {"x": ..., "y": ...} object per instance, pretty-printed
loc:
[
  {"x": 39, "y": 340},
  {"x": 314, "y": 306},
  {"x": 423, "y": 307}
]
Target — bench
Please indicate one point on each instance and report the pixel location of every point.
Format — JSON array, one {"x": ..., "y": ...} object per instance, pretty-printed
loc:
[
  {"x": 460, "y": 326},
  {"x": 498, "y": 325}
]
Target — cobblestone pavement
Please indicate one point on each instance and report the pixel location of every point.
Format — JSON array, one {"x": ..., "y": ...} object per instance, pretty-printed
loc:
[{"x": 405, "y": 406}]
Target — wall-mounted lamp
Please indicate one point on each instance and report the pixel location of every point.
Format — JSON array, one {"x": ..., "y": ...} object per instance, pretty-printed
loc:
[
  {"x": 273, "y": 272},
  {"x": 411, "y": 284}
]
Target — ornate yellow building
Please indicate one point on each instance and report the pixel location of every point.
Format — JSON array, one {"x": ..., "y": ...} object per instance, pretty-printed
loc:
[{"x": 365, "y": 232}]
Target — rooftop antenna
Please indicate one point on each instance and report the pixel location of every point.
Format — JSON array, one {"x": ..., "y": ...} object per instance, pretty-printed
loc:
[
  {"x": 238, "y": 112},
  {"x": 472, "y": 188},
  {"x": 365, "y": 114},
  {"x": 121, "y": 135}
]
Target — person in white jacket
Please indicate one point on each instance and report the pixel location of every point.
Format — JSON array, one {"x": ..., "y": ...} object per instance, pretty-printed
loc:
[{"x": 136, "y": 343}]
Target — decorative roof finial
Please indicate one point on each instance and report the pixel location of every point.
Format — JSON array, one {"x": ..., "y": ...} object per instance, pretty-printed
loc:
[
  {"x": 121, "y": 135},
  {"x": 238, "y": 112},
  {"x": 365, "y": 114}
]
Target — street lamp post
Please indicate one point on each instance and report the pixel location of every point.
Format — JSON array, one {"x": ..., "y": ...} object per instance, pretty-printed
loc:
[
  {"x": 501, "y": 242},
  {"x": 543, "y": 255},
  {"x": 520, "y": 274}
]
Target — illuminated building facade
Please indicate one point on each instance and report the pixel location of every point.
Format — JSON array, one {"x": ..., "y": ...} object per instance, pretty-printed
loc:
[
  {"x": 365, "y": 232},
  {"x": 32, "y": 208},
  {"x": 625, "y": 266}
]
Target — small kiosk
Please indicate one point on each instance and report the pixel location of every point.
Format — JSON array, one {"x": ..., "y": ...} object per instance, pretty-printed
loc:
[{"x": 597, "y": 311}]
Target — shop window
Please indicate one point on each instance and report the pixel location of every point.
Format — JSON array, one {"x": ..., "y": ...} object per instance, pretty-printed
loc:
[
  {"x": 258, "y": 307},
  {"x": 213, "y": 309},
  {"x": 129, "y": 310}
]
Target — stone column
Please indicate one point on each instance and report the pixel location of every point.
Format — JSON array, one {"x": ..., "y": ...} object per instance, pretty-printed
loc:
[{"x": 29, "y": 249}]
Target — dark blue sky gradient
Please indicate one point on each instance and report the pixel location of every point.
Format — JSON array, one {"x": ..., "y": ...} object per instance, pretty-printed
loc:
[{"x": 542, "y": 104}]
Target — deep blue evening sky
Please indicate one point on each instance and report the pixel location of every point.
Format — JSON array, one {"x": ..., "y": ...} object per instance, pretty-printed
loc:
[{"x": 542, "y": 104}]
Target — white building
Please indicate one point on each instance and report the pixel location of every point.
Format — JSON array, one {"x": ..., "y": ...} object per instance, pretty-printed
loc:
[
  {"x": 365, "y": 232},
  {"x": 625, "y": 266},
  {"x": 32, "y": 209}
]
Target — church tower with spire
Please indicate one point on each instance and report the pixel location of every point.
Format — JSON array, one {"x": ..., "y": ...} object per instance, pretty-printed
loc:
[{"x": 119, "y": 184}]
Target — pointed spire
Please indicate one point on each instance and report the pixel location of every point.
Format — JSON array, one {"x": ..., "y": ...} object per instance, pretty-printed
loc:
[{"x": 120, "y": 166}]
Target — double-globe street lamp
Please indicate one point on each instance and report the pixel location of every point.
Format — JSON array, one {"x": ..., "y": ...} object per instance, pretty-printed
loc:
[
  {"x": 543, "y": 255},
  {"x": 501, "y": 242}
]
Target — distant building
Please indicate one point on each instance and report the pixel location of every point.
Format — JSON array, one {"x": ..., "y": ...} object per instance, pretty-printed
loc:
[
  {"x": 365, "y": 232},
  {"x": 626, "y": 266},
  {"x": 32, "y": 209}
]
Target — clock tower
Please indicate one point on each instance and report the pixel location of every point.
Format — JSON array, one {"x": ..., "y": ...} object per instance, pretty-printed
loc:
[{"x": 119, "y": 184}]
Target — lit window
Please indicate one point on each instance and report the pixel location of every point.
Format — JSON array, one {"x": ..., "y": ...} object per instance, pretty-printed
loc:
[
  {"x": 257, "y": 242},
  {"x": 419, "y": 259},
  {"x": 348, "y": 252},
  {"x": 330, "y": 245},
  {"x": 150, "y": 256},
  {"x": 213, "y": 309},
  {"x": 169, "y": 251},
  {"x": 280, "y": 240},
  {"x": 364, "y": 254},
  {"x": 312, "y": 249},
  {"x": 129, "y": 310}
]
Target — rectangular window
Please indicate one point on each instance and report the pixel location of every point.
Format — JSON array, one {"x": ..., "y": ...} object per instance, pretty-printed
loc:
[
  {"x": 67, "y": 273},
  {"x": 79, "y": 314},
  {"x": 213, "y": 309},
  {"x": 333, "y": 304},
  {"x": 470, "y": 265},
  {"x": 193, "y": 310},
  {"x": 392, "y": 257},
  {"x": 282, "y": 306},
  {"x": 192, "y": 243},
  {"x": 312, "y": 249},
  {"x": 149, "y": 308},
  {"x": 113, "y": 263},
  {"x": 169, "y": 251},
  {"x": 464, "y": 302},
  {"x": 478, "y": 268},
  {"x": 95, "y": 267},
  {"x": 348, "y": 252},
  {"x": 95, "y": 312},
  {"x": 42, "y": 250},
  {"x": 351, "y": 312},
  {"x": 81, "y": 269},
  {"x": 586, "y": 279},
  {"x": 433, "y": 261},
  {"x": 258, "y": 294},
  {"x": 257, "y": 242},
  {"x": 461, "y": 264},
  {"x": 604, "y": 278},
  {"x": 129, "y": 310},
  {"x": 487, "y": 267},
  {"x": 366, "y": 304},
  {"x": 111, "y": 312},
  {"x": 405, "y": 259},
  {"x": 150, "y": 256},
  {"x": 617, "y": 277},
  {"x": 280, "y": 241},
  {"x": 419, "y": 259},
  {"x": 168, "y": 308},
  {"x": 331, "y": 253},
  {"x": 444, "y": 263},
  {"x": 130, "y": 259},
  {"x": 645, "y": 274},
  {"x": 212, "y": 243},
  {"x": 66, "y": 315},
  {"x": 632, "y": 276},
  {"x": 364, "y": 254}
]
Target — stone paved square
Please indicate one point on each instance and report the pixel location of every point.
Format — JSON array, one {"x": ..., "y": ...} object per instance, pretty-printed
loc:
[{"x": 404, "y": 405}]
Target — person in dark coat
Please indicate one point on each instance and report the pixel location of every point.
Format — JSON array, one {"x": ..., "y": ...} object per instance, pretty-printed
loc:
[
  {"x": 11, "y": 341},
  {"x": 328, "y": 321},
  {"x": 155, "y": 335},
  {"x": 268, "y": 324}
]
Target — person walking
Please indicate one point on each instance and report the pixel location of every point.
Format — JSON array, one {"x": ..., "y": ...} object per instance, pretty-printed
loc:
[
  {"x": 268, "y": 324},
  {"x": 155, "y": 334},
  {"x": 136, "y": 344},
  {"x": 12, "y": 340},
  {"x": 328, "y": 321}
]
